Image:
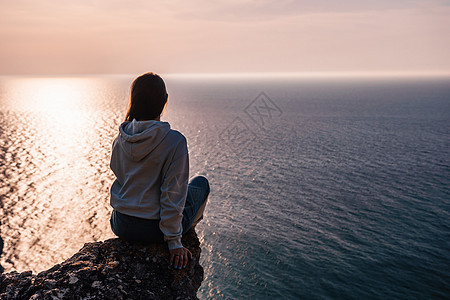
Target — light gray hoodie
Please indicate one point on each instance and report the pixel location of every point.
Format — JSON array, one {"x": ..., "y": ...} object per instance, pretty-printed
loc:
[{"x": 151, "y": 164}]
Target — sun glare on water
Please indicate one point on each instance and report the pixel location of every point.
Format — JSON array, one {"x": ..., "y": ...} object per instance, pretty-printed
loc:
[
  {"x": 58, "y": 108},
  {"x": 57, "y": 97},
  {"x": 56, "y": 164}
]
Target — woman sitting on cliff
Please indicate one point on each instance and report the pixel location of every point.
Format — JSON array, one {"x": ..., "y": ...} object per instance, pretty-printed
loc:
[{"x": 151, "y": 197}]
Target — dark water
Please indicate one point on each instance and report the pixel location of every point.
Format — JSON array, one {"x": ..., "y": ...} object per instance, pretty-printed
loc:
[{"x": 336, "y": 188}]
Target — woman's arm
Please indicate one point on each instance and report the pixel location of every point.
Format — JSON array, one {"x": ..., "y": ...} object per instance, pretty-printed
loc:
[{"x": 173, "y": 197}]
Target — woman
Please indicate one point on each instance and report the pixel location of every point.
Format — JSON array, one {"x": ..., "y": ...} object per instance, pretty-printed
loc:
[{"x": 152, "y": 200}]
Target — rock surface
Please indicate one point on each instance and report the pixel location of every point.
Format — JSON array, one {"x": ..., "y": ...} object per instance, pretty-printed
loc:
[
  {"x": 1, "y": 251},
  {"x": 113, "y": 269}
]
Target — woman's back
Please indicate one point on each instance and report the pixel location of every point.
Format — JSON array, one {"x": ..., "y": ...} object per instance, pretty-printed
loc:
[{"x": 147, "y": 157}]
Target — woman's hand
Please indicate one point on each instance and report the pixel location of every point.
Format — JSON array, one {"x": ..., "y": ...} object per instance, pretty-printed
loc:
[{"x": 179, "y": 257}]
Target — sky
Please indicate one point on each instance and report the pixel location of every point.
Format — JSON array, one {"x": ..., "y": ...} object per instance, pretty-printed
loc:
[{"x": 223, "y": 36}]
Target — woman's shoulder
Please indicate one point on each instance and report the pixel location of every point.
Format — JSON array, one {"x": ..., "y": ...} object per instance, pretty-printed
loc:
[
  {"x": 177, "y": 142},
  {"x": 176, "y": 137}
]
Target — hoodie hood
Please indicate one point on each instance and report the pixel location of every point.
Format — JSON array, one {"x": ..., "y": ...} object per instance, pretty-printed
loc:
[{"x": 140, "y": 138}]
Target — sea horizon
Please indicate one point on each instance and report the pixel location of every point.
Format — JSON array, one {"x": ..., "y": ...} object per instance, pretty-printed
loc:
[{"x": 261, "y": 75}]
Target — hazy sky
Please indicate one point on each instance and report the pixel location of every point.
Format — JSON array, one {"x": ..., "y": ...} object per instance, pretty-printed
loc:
[{"x": 176, "y": 36}]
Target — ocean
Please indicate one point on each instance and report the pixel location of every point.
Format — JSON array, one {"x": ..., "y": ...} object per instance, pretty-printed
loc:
[{"x": 321, "y": 188}]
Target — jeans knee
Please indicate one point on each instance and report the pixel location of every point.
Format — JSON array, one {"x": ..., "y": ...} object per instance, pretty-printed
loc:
[{"x": 201, "y": 181}]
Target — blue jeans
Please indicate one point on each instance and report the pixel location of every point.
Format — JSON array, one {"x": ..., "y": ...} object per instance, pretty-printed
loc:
[{"x": 147, "y": 231}]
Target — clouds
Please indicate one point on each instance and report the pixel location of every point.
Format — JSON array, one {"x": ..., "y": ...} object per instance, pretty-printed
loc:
[
  {"x": 263, "y": 10},
  {"x": 99, "y": 36}
]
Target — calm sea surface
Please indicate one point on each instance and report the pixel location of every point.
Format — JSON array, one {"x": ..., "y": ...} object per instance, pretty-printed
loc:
[{"x": 321, "y": 188}]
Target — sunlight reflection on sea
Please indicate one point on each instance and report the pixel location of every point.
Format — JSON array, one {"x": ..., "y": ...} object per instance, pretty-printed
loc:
[{"x": 55, "y": 136}]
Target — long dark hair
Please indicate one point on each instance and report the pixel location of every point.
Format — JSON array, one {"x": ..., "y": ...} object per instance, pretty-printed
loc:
[{"x": 147, "y": 98}]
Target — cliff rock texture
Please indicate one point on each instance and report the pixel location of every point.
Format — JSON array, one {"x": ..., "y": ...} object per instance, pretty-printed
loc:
[
  {"x": 113, "y": 269},
  {"x": 1, "y": 251}
]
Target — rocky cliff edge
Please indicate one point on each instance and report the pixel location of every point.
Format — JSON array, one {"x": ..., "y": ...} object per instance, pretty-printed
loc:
[{"x": 113, "y": 269}]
